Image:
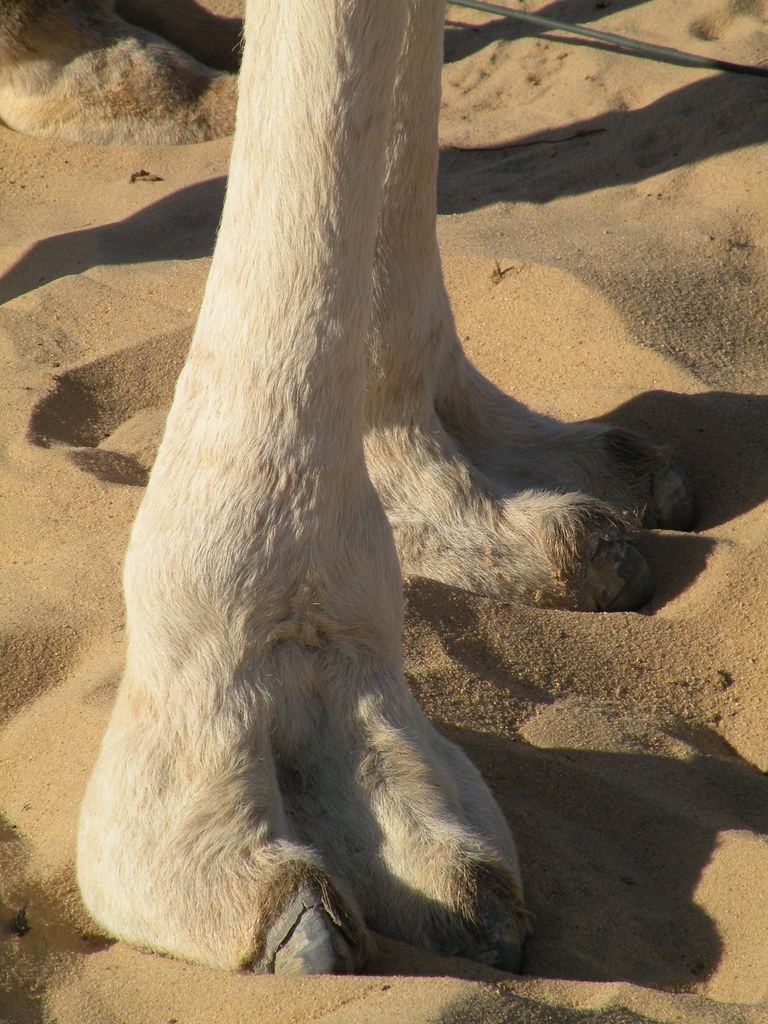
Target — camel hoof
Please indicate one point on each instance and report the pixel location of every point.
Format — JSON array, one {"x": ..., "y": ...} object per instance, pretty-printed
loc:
[
  {"x": 306, "y": 939},
  {"x": 506, "y": 935},
  {"x": 672, "y": 499},
  {"x": 616, "y": 578}
]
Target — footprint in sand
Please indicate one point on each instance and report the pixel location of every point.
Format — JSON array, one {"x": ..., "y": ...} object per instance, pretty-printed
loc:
[
  {"x": 717, "y": 21},
  {"x": 110, "y": 412}
]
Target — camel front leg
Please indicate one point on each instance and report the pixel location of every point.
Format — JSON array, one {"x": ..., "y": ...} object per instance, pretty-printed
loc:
[
  {"x": 260, "y": 542},
  {"x": 238, "y": 814}
]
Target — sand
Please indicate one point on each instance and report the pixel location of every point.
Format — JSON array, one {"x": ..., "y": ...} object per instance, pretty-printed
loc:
[{"x": 627, "y": 211}]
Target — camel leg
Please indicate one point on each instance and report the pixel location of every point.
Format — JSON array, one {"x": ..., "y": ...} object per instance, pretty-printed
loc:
[
  {"x": 483, "y": 493},
  {"x": 77, "y": 71},
  {"x": 267, "y": 786}
]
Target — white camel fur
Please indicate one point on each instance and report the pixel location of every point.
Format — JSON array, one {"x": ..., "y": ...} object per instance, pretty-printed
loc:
[
  {"x": 264, "y": 755},
  {"x": 267, "y": 790}
]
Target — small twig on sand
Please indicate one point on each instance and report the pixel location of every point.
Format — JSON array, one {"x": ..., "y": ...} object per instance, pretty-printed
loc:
[
  {"x": 20, "y": 922},
  {"x": 144, "y": 176},
  {"x": 511, "y": 144}
]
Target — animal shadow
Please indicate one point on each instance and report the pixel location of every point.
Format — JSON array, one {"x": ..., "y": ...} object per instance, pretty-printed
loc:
[
  {"x": 179, "y": 226},
  {"x": 714, "y": 115},
  {"x": 613, "y": 846}
]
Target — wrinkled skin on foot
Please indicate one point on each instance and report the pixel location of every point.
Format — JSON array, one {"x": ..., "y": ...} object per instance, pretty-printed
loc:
[{"x": 274, "y": 842}]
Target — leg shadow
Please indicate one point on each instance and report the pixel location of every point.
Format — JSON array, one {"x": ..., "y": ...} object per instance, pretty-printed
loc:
[
  {"x": 613, "y": 845},
  {"x": 180, "y": 226}
]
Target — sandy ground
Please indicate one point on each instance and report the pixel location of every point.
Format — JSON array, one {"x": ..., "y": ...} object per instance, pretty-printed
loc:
[{"x": 627, "y": 210}]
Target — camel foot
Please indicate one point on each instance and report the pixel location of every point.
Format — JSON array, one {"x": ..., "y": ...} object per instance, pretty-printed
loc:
[
  {"x": 505, "y": 935},
  {"x": 307, "y": 938},
  {"x": 615, "y": 578}
]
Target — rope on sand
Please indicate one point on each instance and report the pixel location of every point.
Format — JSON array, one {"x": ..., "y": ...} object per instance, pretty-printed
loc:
[{"x": 665, "y": 53}]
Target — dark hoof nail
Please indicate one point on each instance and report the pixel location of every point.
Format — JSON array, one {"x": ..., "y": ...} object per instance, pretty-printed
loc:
[
  {"x": 672, "y": 499},
  {"x": 616, "y": 578},
  {"x": 506, "y": 933},
  {"x": 307, "y": 939}
]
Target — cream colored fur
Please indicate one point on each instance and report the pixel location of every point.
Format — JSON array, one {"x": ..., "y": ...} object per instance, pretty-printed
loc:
[
  {"x": 263, "y": 735},
  {"x": 264, "y": 745},
  {"x": 79, "y": 72},
  {"x": 481, "y": 492}
]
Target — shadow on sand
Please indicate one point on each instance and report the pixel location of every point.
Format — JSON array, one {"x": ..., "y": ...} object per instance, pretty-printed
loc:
[{"x": 610, "y": 875}]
